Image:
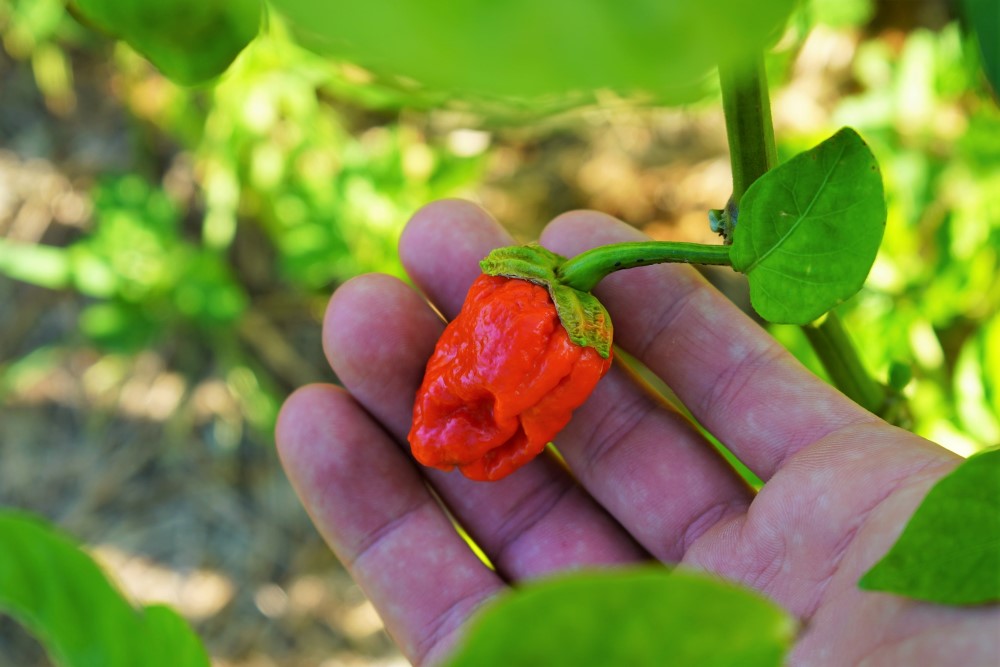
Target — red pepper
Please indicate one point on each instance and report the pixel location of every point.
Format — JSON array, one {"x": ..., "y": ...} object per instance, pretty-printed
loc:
[{"x": 504, "y": 379}]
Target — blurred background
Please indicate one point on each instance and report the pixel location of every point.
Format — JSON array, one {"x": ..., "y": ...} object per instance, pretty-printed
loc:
[{"x": 166, "y": 254}]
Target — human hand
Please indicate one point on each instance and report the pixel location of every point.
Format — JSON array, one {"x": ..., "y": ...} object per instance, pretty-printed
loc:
[{"x": 840, "y": 483}]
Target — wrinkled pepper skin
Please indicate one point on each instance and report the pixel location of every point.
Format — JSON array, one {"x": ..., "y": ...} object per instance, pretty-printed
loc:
[{"x": 504, "y": 379}]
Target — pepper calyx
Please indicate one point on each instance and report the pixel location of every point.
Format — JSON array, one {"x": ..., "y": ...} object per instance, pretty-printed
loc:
[{"x": 582, "y": 315}]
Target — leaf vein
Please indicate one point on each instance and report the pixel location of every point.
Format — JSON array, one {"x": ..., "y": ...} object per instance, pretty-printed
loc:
[{"x": 791, "y": 229}]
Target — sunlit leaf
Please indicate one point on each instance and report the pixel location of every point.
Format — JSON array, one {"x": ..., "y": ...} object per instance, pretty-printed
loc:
[
  {"x": 118, "y": 326},
  {"x": 972, "y": 387},
  {"x": 524, "y": 49},
  {"x": 949, "y": 551},
  {"x": 809, "y": 230},
  {"x": 190, "y": 41},
  {"x": 35, "y": 263},
  {"x": 63, "y": 598},
  {"x": 637, "y": 617}
]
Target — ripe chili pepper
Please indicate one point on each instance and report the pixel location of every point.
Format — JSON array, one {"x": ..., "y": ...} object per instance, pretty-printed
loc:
[{"x": 504, "y": 379}]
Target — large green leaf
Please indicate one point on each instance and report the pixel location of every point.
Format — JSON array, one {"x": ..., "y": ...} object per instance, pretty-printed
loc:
[
  {"x": 809, "y": 230},
  {"x": 637, "y": 617},
  {"x": 949, "y": 551},
  {"x": 65, "y": 600},
  {"x": 190, "y": 41},
  {"x": 983, "y": 16},
  {"x": 525, "y": 49}
]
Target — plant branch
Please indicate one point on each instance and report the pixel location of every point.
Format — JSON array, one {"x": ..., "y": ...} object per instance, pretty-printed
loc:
[{"x": 747, "y": 107}]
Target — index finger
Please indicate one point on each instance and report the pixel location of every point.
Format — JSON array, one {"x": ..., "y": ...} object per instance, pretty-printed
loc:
[{"x": 743, "y": 386}]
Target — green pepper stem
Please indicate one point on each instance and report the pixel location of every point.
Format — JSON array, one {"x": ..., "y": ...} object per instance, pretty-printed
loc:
[{"x": 584, "y": 271}]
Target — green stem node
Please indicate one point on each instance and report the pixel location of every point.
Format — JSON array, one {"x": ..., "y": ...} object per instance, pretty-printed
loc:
[{"x": 584, "y": 271}]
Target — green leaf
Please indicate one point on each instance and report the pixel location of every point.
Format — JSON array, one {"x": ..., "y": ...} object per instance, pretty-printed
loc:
[
  {"x": 585, "y": 319},
  {"x": 809, "y": 230},
  {"x": 636, "y": 617},
  {"x": 523, "y": 49},
  {"x": 527, "y": 262},
  {"x": 973, "y": 385},
  {"x": 984, "y": 18},
  {"x": 949, "y": 551},
  {"x": 38, "y": 264},
  {"x": 64, "y": 599},
  {"x": 190, "y": 41}
]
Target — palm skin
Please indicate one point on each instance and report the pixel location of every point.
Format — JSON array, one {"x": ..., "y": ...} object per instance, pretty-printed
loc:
[{"x": 840, "y": 484}]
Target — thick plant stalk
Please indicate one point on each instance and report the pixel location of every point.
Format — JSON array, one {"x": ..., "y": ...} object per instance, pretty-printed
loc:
[{"x": 747, "y": 106}]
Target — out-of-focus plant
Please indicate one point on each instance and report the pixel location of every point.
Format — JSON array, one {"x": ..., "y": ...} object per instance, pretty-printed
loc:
[
  {"x": 190, "y": 41},
  {"x": 279, "y": 143},
  {"x": 147, "y": 278},
  {"x": 982, "y": 19},
  {"x": 331, "y": 199},
  {"x": 38, "y": 31},
  {"x": 60, "y": 593},
  {"x": 312, "y": 160},
  {"x": 270, "y": 144}
]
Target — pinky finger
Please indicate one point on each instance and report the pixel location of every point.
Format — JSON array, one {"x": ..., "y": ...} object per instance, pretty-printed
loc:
[{"x": 372, "y": 508}]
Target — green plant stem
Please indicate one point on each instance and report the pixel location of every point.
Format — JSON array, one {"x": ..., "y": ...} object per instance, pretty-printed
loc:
[
  {"x": 587, "y": 269},
  {"x": 750, "y": 131},
  {"x": 840, "y": 358}
]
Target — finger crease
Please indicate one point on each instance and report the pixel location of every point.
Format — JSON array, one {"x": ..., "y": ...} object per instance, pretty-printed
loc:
[
  {"x": 665, "y": 320},
  {"x": 443, "y": 624},
  {"x": 703, "y": 522},
  {"x": 383, "y": 532},
  {"x": 731, "y": 381},
  {"x": 615, "y": 428},
  {"x": 841, "y": 548},
  {"x": 528, "y": 513}
]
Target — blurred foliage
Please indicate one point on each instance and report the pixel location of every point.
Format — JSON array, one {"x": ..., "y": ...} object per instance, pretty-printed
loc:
[
  {"x": 293, "y": 172},
  {"x": 621, "y": 617},
  {"x": 135, "y": 261},
  {"x": 982, "y": 18},
  {"x": 522, "y": 51},
  {"x": 41, "y": 32},
  {"x": 269, "y": 146},
  {"x": 61, "y": 594},
  {"x": 308, "y": 153},
  {"x": 190, "y": 41}
]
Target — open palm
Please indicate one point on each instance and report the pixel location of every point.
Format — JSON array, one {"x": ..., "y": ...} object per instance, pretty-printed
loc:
[{"x": 642, "y": 483}]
